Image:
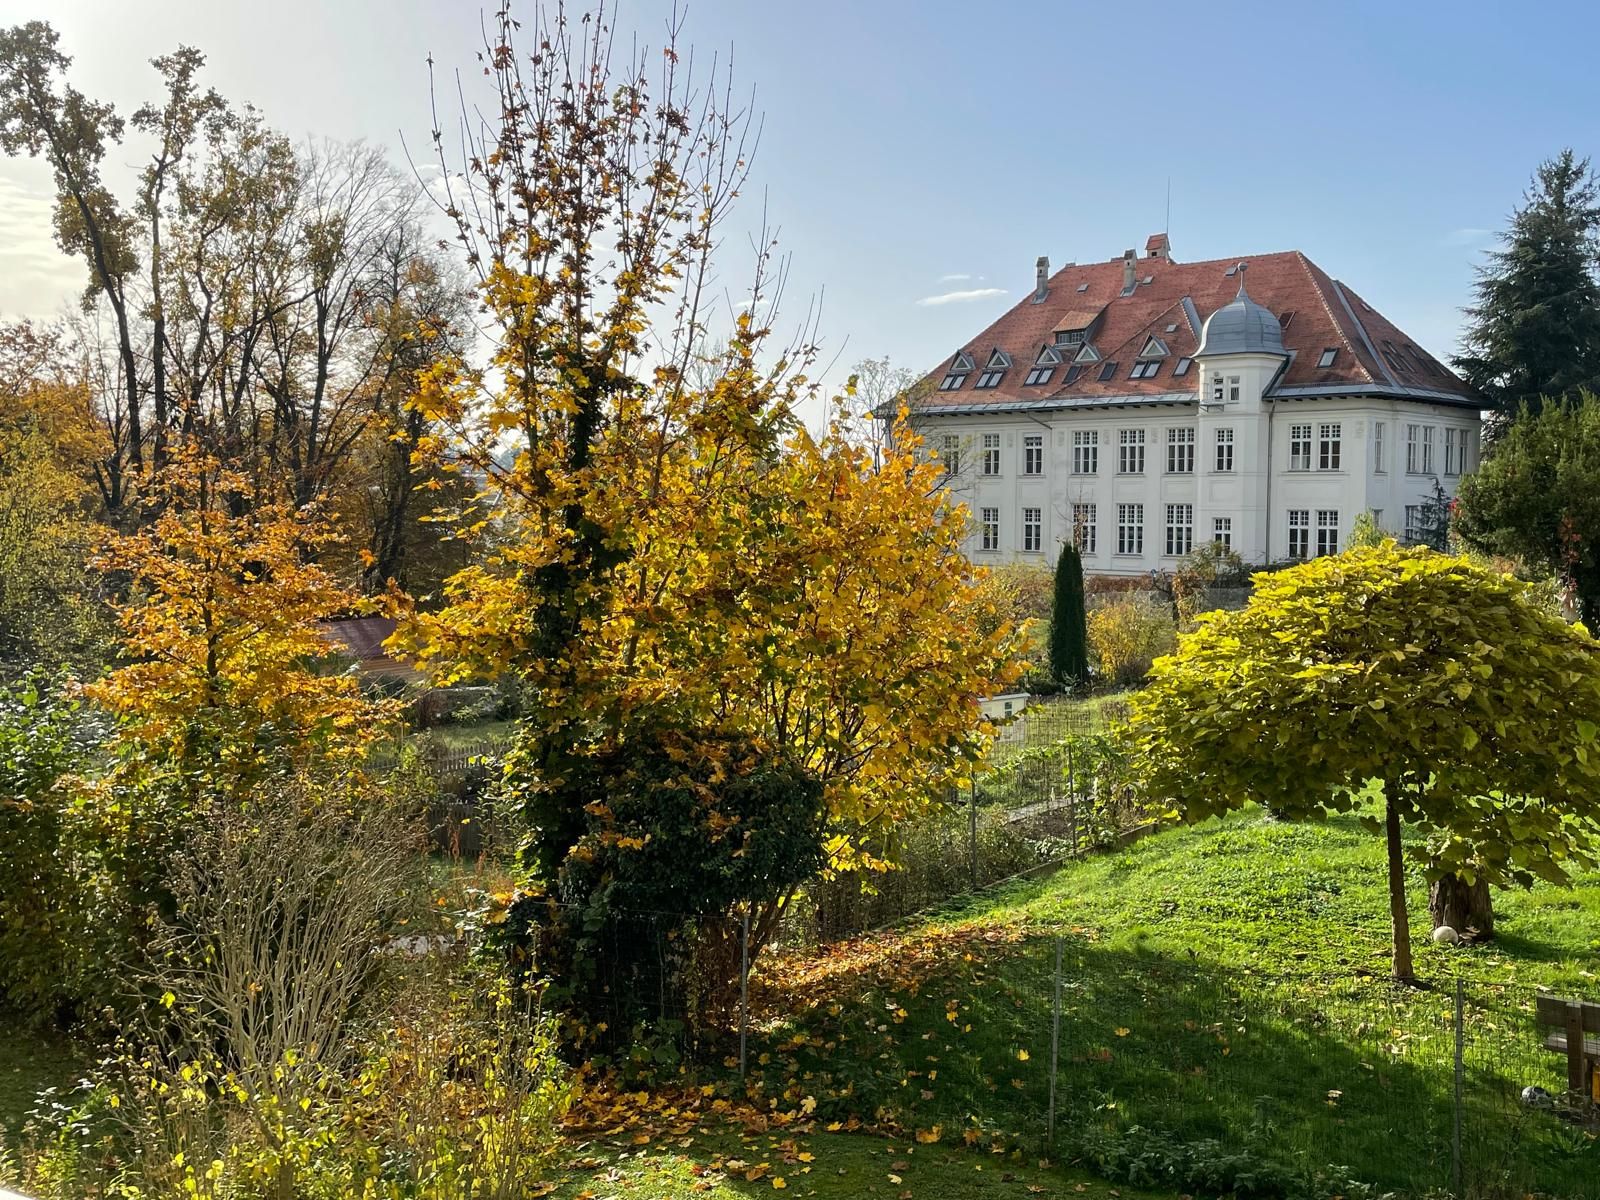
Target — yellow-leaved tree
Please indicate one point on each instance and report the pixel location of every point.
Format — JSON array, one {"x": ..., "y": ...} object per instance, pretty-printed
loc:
[
  {"x": 226, "y": 672},
  {"x": 680, "y": 565}
]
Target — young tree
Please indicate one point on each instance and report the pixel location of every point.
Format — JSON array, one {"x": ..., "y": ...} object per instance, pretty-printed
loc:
[
  {"x": 679, "y": 552},
  {"x": 1534, "y": 332},
  {"x": 1069, "y": 627},
  {"x": 1536, "y": 498},
  {"x": 1476, "y": 711},
  {"x": 222, "y": 635}
]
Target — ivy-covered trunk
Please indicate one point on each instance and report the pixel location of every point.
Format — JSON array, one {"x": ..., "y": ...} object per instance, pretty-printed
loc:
[
  {"x": 1468, "y": 908},
  {"x": 1400, "y": 920}
]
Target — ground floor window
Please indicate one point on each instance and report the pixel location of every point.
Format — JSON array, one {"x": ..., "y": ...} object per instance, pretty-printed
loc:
[
  {"x": 1032, "y": 529},
  {"x": 1130, "y": 529},
  {"x": 1180, "y": 529},
  {"x": 1222, "y": 532},
  {"x": 1299, "y": 533},
  {"x": 991, "y": 528},
  {"x": 1083, "y": 526},
  {"x": 1327, "y": 531}
]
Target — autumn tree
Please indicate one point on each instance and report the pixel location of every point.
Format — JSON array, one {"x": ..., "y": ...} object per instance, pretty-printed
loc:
[
  {"x": 681, "y": 555},
  {"x": 1446, "y": 684},
  {"x": 225, "y": 673}
]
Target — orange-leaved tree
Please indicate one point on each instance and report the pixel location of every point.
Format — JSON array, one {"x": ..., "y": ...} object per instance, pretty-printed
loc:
[
  {"x": 674, "y": 551},
  {"x": 226, "y": 671}
]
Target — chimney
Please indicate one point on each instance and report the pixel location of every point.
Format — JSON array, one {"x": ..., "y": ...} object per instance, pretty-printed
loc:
[
  {"x": 1130, "y": 271},
  {"x": 1041, "y": 278}
]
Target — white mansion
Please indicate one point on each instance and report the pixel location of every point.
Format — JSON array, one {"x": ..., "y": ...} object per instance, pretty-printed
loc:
[{"x": 1145, "y": 406}]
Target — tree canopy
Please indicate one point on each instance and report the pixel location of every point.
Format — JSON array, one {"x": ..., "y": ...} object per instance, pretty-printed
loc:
[
  {"x": 1536, "y": 497},
  {"x": 1445, "y": 683}
]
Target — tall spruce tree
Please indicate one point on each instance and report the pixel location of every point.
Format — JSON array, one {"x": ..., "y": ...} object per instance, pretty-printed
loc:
[
  {"x": 1534, "y": 332},
  {"x": 1069, "y": 621}
]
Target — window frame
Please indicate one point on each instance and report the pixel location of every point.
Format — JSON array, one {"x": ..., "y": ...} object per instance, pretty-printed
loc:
[
  {"x": 1083, "y": 531},
  {"x": 1299, "y": 523},
  {"x": 1222, "y": 532},
  {"x": 1330, "y": 445},
  {"x": 1222, "y": 461},
  {"x": 1088, "y": 449},
  {"x": 1130, "y": 441},
  {"x": 1327, "y": 531},
  {"x": 1033, "y": 454},
  {"x": 1179, "y": 529},
  {"x": 1032, "y": 530},
  {"x": 1180, "y": 449},
  {"x": 1130, "y": 529},
  {"x": 989, "y": 456},
  {"x": 989, "y": 524},
  {"x": 1300, "y": 446}
]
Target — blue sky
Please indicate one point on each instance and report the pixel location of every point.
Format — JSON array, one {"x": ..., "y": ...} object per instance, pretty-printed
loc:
[{"x": 913, "y": 150}]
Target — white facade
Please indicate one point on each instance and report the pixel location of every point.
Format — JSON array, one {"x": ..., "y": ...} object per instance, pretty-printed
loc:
[{"x": 1145, "y": 480}]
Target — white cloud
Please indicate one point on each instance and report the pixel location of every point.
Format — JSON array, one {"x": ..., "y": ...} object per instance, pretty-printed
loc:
[
  {"x": 961, "y": 297},
  {"x": 954, "y": 278},
  {"x": 35, "y": 277}
]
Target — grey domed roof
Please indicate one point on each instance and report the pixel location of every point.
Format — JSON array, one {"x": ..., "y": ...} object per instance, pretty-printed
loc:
[{"x": 1241, "y": 327}]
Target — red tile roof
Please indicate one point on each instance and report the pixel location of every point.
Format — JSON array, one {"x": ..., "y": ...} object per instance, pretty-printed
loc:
[{"x": 1373, "y": 355}]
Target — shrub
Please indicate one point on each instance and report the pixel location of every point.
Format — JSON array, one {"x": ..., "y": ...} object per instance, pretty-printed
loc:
[{"x": 1129, "y": 632}]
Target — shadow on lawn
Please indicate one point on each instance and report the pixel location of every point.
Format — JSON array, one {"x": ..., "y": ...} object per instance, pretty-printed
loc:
[{"x": 1322, "y": 1071}]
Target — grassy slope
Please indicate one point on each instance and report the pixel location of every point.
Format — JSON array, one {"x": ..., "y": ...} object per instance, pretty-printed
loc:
[
  {"x": 1227, "y": 983},
  {"x": 826, "y": 1165}
]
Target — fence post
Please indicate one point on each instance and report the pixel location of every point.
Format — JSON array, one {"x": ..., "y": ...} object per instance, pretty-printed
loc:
[
  {"x": 1055, "y": 1049},
  {"x": 972, "y": 815},
  {"x": 744, "y": 992},
  {"x": 1455, "y": 1139}
]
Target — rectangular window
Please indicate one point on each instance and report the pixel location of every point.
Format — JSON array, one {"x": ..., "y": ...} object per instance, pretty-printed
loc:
[
  {"x": 1299, "y": 532},
  {"x": 1033, "y": 454},
  {"x": 1224, "y": 449},
  {"x": 991, "y": 454},
  {"x": 1452, "y": 451},
  {"x": 990, "y": 377},
  {"x": 1233, "y": 389},
  {"x": 991, "y": 528},
  {"x": 950, "y": 452},
  {"x": 1145, "y": 370},
  {"x": 1130, "y": 529},
  {"x": 1413, "y": 449},
  {"x": 1180, "y": 529},
  {"x": 1032, "y": 529},
  {"x": 1180, "y": 451},
  {"x": 1130, "y": 452},
  {"x": 1299, "y": 447},
  {"x": 1086, "y": 452},
  {"x": 1327, "y": 357},
  {"x": 1377, "y": 447},
  {"x": 1182, "y": 368},
  {"x": 1327, "y": 531},
  {"x": 1083, "y": 528},
  {"x": 1413, "y": 524},
  {"x": 1109, "y": 371},
  {"x": 1039, "y": 376},
  {"x": 1427, "y": 449},
  {"x": 1469, "y": 449},
  {"x": 1069, "y": 337},
  {"x": 1222, "y": 532},
  {"x": 952, "y": 382},
  {"x": 1216, "y": 389},
  {"x": 1329, "y": 435}
]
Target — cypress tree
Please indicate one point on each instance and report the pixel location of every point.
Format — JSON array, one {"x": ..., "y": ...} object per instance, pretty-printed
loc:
[{"x": 1069, "y": 627}]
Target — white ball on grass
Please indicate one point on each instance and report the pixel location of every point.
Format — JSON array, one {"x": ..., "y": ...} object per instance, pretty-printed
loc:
[{"x": 1445, "y": 936}]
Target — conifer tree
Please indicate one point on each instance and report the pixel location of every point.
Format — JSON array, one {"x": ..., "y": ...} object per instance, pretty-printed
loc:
[
  {"x": 1534, "y": 332},
  {"x": 1069, "y": 634}
]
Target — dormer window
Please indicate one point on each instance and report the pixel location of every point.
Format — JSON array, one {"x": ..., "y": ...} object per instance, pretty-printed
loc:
[
  {"x": 1108, "y": 371},
  {"x": 1182, "y": 368},
  {"x": 1145, "y": 370},
  {"x": 1329, "y": 356},
  {"x": 960, "y": 367},
  {"x": 1043, "y": 367},
  {"x": 994, "y": 370},
  {"x": 1069, "y": 337},
  {"x": 1154, "y": 347}
]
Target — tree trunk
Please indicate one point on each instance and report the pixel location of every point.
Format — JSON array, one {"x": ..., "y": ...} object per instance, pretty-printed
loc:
[
  {"x": 1397, "y": 892},
  {"x": 1466, "y": 908}
]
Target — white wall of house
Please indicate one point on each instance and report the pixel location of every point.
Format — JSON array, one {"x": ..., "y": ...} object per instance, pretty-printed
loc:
[{"x": 1299, "y": 473}]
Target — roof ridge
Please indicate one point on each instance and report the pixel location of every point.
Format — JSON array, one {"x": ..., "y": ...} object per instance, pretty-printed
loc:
[{"x": 1311, "y": 274}]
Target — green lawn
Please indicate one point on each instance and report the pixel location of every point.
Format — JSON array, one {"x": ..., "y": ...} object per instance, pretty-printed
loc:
[
  {"x": 1225, "y": 983},
  {"x": 721, "y": 1166}
]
